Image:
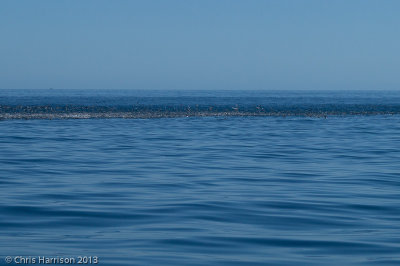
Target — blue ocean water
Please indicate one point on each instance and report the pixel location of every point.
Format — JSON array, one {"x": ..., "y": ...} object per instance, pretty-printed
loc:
[{"x": 190, "y": 189}]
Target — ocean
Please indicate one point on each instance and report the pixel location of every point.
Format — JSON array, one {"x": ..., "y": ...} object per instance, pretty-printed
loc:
[{"x": 127, "y": 177}]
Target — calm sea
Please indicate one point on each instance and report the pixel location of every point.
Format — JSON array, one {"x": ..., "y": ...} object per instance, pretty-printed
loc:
[{"x": 200, "y": 178}]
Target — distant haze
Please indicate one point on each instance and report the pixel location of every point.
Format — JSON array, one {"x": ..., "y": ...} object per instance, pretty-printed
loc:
[{"x": 199, "y": 44}]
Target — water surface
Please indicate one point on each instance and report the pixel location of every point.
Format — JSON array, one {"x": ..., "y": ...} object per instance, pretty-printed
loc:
[{"x": 215, "y": 190}]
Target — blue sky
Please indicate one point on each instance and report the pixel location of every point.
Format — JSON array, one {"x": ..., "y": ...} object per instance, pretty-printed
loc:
[{"x": 204, "y": 44}]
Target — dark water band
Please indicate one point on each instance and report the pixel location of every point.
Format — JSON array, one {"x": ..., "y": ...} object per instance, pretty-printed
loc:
[{"x": 158, "y": 111}]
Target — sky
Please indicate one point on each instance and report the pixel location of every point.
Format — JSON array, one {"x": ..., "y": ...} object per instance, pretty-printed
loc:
[{"x": 195, "y": 45}]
